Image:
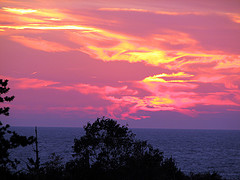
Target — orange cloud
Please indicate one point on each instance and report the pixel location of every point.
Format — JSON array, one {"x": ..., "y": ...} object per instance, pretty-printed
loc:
[
  {"x": 53, "y": 18},
  {"x": 113, "y": 46},
  {"x": 182, "y": 99},
  {"x": 173, "y": 38},
  {"x": 234, "y": 17},
  {"x": 28, "y": 83},
  {"x": 228, "y": 62},
  {"x": 105, "y": 90},
  {"x": 109, "y": 46},
  {"x": 51, "y": 27},
  {"x": 209, "y": 78},
  {"x": 40, "y": 44},
  {"x": 120, "y": 48},
  {"x": 25, "y": 83},
  {"x": 51, "y": 13},
  {"x": 157, "y": 78},
  {"x": 151, "y": 11},
  {"x": 168, "y": 101},
  {"x": 194, "y": 62},
  {"x": 123, "y": 9}
]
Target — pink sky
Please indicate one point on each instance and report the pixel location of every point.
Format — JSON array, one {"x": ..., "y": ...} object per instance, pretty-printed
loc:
[{"x": 151, "y": 63}]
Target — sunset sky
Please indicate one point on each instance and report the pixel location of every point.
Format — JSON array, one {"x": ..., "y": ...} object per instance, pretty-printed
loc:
[{"x": 150, "y": 63}]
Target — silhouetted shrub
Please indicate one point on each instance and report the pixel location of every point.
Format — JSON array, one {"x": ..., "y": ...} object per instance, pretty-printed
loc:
[
  {"x": 109, "y": 150},
  {"x": 205, "y": 176}
]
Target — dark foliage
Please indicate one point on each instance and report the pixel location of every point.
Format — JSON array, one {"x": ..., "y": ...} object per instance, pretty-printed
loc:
[
  {"x": 8, "y": 139},
  {"x": 111, "y": 151},
  {"x": 205, "y": 176},
  {"x": 3, "y": 90},
  {"x": 53, "y": 166}
]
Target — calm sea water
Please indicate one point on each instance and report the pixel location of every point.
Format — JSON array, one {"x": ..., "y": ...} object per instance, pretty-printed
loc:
[{"x": 193, "y": 150}]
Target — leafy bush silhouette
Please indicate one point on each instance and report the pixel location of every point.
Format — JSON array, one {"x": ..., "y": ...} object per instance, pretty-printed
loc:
[
  {"x": 109, "y": 150},
  {"x": 205, "y": 176}
]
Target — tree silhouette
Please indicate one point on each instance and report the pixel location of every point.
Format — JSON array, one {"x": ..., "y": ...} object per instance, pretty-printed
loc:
[
  {"x": 9, "y": 139},
  {"x": 109, "y": 150},
  {"x": 105, "y": 144},
  {"x": 4, "y": 90}
]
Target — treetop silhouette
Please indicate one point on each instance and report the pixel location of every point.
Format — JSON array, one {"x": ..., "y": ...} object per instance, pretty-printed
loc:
[{"x": 9, "y": 139}]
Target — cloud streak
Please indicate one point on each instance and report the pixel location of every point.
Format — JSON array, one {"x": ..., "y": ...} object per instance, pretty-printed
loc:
[{"x": 40, "y": 44}]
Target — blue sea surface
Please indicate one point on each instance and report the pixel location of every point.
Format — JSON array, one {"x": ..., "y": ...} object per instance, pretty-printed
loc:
[{"x": 193, "y": 150}]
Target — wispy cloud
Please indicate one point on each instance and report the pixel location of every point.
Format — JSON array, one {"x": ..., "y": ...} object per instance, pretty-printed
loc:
[
  {"x": 29, "y": 83},
  {"x": 40, "y": 44},
  {"x": 235, "y": 17},
  {"x": 174, "y": 13}
]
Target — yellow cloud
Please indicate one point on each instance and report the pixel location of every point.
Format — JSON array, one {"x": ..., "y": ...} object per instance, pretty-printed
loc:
[
  {"x": 157, "y": 78},
  {"x": 114, "y": 46},
  {"x": 19, "y": 11},
  {"x": 37, "y": 12},
  {"x": 51, "y": 27},
  {"x": 156, "y": 101}
]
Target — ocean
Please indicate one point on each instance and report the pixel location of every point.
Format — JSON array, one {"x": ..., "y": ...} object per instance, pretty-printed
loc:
[{"x": 193, "y": 150}]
